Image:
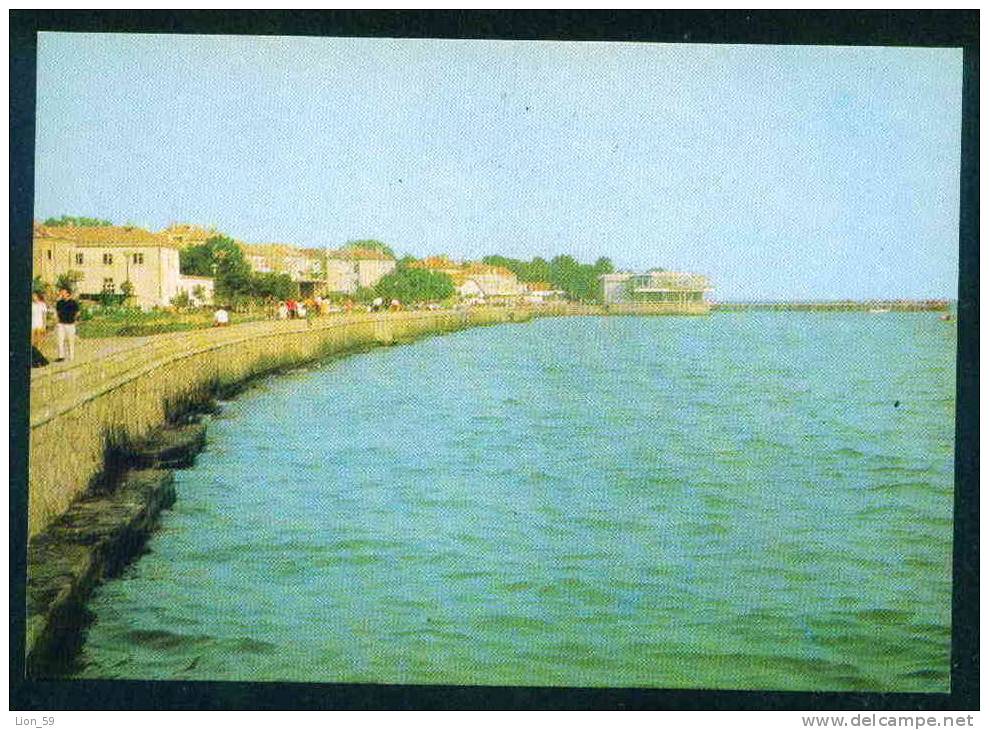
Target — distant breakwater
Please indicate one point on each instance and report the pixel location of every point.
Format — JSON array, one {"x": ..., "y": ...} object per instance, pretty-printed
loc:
[{"x": 893, "y": 305}]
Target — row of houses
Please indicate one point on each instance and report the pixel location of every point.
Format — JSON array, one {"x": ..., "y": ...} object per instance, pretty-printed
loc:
[
  {"x": 319, "y": 271},
  {"x": 483, "y": 282},
  {"x": 495, "y": 283},
  {"x": 107, "y": 256}
]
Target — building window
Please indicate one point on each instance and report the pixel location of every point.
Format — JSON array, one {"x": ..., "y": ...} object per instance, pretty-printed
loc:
[
  {"x": 79, "y": 259},
  {"x": 108, "y": 259},
  {"x": 108, "y": 286},
  {"x": 49, "y": 253},
  {"x": 139, "y": 258}
]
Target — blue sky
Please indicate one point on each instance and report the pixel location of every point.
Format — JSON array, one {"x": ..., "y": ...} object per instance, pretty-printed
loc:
[{"x": 780, "y": 171}]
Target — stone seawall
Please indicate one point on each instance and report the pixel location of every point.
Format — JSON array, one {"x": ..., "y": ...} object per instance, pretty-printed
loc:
[{"x": 82, "y": 414}]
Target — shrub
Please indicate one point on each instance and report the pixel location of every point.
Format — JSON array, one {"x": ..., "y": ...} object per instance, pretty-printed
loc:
[
  {"x": 181, "y": 300},
  {"x": 415, "y": 285},
  {"x": 68, "y": 280}
]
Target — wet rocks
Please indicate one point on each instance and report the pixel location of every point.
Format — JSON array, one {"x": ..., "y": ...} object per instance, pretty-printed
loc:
[
  {"x": 98, "y": 535},
  {"x": 172, "y": 447},
  {"x": 93, "y": 540}
]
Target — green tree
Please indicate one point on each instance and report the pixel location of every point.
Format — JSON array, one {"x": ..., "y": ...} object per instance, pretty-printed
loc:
[
  {"x": 78, "y": 221},
  {"x": 371, "y": 245},
  {"x": 197, "y": 260},
  {"x": 537, "y": 270},
  {"x": 68, "y": 280},
  {"x": 579, "y": 281},
  {"x": 38, "y": 286},
  {"x": 273, "y": 285},
  {"x": 233, "y": 272},
  {"x": 414, "y": 285},
  {"x": 127, "y": 289},
  {"x": 513, "y": 265},
  {"x": 221, "y": 258}
]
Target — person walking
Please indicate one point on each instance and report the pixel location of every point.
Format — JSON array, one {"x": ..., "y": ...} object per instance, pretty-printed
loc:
[
  {"x": 67, "y": 311},
  {"x": 39, "y": 311}
]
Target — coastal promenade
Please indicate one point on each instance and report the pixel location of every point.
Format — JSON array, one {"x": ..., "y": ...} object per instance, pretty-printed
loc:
[{"x": 118, "y": 390}]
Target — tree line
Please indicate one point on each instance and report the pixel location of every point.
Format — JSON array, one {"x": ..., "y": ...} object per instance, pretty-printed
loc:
[
  {"x": 77, "y": 221},
  {"x": 579, "y": 281},
  {"x": 221, "y": 258}
]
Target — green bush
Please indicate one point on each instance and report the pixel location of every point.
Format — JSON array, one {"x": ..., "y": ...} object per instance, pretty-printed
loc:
[
  {"x": 415, "y": 285},
  {"x": 134, "y": 322},
  {"x": 68, "y": 280},
  {"x": 182, "y": 300}
]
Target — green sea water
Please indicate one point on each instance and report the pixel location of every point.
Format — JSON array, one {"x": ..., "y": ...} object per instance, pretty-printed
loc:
[{"x": 757, "y": 500}]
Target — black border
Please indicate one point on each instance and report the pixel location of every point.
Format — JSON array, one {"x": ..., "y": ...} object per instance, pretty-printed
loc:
[{"x": 881, "y": 28}]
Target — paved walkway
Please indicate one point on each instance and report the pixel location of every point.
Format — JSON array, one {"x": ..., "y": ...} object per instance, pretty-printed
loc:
[
  {"x": 87, "y": 349},
  {"x": 101, "y": 363}
]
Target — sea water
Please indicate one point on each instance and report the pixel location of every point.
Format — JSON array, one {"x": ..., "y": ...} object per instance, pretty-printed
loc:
[{"x": 757, "y": 500}]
